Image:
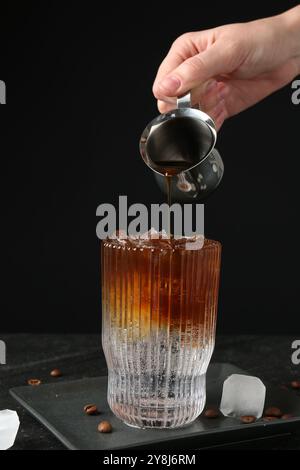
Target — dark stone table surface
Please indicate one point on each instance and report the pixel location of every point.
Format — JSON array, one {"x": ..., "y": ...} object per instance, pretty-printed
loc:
[{"x": 78, "y": 356}]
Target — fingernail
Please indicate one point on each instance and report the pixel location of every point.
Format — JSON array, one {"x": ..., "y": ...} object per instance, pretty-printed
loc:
[
  {"x": 164, "y": 107},
  {"x": 169, "y": 100},
  {"x": 211, "y": 85},
  {"x": 169, "y": 85}
]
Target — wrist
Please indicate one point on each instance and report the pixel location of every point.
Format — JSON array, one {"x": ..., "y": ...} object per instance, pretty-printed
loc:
[{"x": 290, "y": 23}]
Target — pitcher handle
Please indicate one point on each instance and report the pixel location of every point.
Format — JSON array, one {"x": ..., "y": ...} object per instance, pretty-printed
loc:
[{"x": 184, "y": 101}]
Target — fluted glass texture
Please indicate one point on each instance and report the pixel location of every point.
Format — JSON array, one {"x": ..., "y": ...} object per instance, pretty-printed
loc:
[{"x": 159, "y": 317}]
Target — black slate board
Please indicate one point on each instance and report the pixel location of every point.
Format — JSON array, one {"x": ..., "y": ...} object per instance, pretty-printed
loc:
[{"x": 59, "y": 407}]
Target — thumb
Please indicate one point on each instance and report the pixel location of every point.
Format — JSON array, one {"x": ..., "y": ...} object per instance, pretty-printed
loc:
[{"x": 196, "y": 70}]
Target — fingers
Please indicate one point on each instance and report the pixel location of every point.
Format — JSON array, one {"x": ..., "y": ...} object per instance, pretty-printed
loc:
[
  {"x": 212, "y": 99},
  {"x": 196, "y": 97},
  {"x": 171, "y": 62},
  {"x": 206, "y": 96},
  {"x": 181, "y": 49},
  {"x": 218, "y": 109},
  {"x": 220, "y": 120},
  {"x": 182, "y": 71},
  {"x": 193, "y": 72},
  {"x": 219, "y": 114}
]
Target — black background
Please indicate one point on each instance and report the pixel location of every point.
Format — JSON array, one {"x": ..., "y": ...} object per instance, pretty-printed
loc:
[{"x": 79, "y": 81}]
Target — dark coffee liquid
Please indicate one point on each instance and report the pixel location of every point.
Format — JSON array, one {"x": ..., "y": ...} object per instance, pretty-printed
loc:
[
  {"x": 150, "y": 284},
  {"x": 174, "y": 168},
  {"x": 178, "y": 144},
  {"x": 170, "y": 171},
  {"x": 168, "y": 180}
]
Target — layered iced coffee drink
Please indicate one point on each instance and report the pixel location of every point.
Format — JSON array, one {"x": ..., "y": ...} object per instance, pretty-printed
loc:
[{"x": 159, "y": 316}]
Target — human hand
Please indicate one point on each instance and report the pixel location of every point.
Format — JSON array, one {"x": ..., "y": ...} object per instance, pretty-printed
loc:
[{"x": 232, "y": 67}]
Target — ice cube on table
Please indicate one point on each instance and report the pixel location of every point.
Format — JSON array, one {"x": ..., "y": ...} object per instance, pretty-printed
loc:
[
  {"x": 9, "y": 425},
  {"x": 243, "y": 395}
]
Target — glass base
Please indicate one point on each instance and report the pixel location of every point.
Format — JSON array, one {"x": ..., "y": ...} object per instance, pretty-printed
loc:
[{"x": 167, "y": 413}]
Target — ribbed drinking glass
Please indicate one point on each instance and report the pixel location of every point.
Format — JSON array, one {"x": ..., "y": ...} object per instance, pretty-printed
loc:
[{"x": 159, "y": 316}]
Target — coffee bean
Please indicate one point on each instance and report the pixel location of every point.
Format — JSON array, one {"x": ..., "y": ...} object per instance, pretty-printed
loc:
[
  {"x": 91, "y": 410},
  {"x": 295, "y": 384},
  {"x": 273, "y": 411},
  {"x": 269, "y": 418},
  {"x": 211, "y": 413},
  {"x": 34, "y": 382},
  {"x": 56, "y": 373},
  {"x": 287, "y": 416},
  {"x": 105, "y": 427},
  {"x": 248, "y": 419}
]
